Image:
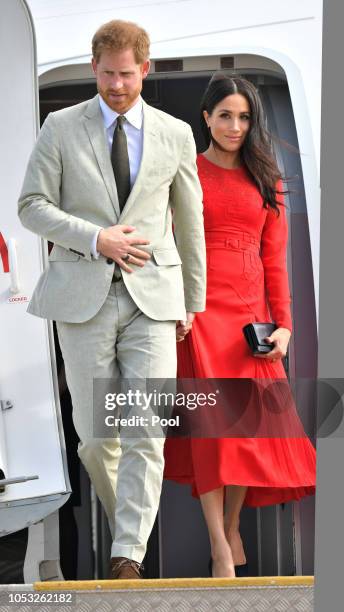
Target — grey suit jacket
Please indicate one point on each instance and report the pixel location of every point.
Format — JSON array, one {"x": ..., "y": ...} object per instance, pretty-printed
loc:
[{"x": 69, "y": 192}]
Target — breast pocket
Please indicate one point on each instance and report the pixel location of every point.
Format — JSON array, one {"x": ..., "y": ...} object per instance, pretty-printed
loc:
[
  {"x": 159, "y": 170},
  {"x": 159, "y": 174}
]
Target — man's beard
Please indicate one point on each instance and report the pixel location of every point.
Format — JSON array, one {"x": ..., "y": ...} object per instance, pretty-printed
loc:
[{"x": 121, "y": 105}]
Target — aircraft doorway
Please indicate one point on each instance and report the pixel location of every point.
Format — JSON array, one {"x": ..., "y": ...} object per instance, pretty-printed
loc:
[{"x": 279, "y": 540}]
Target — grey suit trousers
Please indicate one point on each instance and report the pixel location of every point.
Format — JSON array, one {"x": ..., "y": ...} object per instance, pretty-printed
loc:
[{"x": 126, "y": 471}]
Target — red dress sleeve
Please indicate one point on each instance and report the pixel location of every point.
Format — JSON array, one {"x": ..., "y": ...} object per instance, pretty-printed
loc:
[{"x": 273, "y": 253}]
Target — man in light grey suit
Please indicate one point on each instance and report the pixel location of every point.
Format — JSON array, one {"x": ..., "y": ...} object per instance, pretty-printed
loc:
[{"x": 103, "y": 183}]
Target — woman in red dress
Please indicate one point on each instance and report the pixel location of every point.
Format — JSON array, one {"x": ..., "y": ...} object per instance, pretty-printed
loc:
[{"x": 246, "y": 238}]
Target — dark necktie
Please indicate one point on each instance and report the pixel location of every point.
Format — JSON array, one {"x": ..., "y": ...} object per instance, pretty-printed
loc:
[{"x": 120, "y": 162}]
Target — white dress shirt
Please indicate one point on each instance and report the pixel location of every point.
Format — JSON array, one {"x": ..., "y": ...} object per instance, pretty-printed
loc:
[{"x": 133, "y": 127}]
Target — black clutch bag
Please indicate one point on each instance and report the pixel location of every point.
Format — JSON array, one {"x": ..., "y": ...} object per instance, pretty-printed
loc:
[{"x": 255, "y": 334}]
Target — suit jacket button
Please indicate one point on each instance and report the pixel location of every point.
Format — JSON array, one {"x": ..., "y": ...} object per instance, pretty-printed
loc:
[{"x": 109, "y": 260}]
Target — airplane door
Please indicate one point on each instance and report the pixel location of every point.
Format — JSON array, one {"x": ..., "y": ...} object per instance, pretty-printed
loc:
[{"x": 32, "y": 455}]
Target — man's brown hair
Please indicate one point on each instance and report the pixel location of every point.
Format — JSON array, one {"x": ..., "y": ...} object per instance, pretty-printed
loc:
[{"x": 118, "y": 35}]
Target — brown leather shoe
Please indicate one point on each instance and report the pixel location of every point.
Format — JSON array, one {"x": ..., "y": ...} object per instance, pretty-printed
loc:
[{"x": 122, "y": 568}]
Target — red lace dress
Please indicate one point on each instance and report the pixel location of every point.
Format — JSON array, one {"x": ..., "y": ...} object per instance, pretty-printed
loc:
[{"x": 246, "y": 281}]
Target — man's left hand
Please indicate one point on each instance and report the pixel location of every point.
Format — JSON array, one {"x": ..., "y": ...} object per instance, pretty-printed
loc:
[{"x": 183, "y": 327}]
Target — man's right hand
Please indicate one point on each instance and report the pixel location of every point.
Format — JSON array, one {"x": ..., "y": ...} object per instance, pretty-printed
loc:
[{"x": 116, "y": 243}]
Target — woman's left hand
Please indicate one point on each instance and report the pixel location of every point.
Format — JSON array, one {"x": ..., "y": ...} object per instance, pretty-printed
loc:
[{"x": 280, "y": 338}]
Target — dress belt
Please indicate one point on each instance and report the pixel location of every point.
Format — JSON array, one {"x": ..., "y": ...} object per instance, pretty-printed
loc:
[{"x": 232, "y": 240}]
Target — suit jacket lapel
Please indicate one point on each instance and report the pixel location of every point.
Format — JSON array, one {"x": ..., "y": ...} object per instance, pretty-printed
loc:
[
  {"x": 148, "y": 155},
  {"x": 94, "y": 125}
]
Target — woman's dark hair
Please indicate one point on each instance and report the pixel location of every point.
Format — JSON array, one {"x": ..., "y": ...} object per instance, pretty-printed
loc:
[{"x": 256, "y": 152}]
